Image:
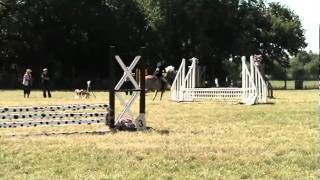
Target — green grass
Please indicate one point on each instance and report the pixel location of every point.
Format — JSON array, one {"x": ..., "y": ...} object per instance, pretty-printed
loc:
[
  {"x": 206, "y": 141},
  {"x": 290, "y": 84}
]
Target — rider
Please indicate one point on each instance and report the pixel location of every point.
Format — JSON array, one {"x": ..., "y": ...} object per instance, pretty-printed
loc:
[{"x": 159, "y": 73}]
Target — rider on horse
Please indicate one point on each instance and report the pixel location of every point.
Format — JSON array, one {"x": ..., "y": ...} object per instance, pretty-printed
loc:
[{"x": 159, "y": 73}]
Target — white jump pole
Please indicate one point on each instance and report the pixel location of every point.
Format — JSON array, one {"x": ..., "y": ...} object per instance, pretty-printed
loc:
[
  {"x": 183, "y": 80},
  {"x": 194, "y": 63},
  {"x": 194, "y": 68},
  {"x": 244, "y": 79}
]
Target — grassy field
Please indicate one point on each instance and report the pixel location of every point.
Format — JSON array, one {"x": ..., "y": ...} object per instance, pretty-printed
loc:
[
  {"x": 205, "y": 141},
  {"x": 290, "y": 84}
]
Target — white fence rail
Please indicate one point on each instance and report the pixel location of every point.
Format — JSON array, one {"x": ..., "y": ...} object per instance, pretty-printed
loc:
[{"x": 219, "y": 94}]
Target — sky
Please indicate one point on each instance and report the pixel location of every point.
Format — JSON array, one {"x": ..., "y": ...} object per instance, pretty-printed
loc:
[{"x": 309, "y": 13}]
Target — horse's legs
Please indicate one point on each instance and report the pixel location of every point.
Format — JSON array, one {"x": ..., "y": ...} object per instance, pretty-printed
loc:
[
  {"x": 161, "y": 95},
  {"x": 155, "y": 95}
]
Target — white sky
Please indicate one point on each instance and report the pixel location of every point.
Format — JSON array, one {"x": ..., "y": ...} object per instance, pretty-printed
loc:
[{"x": 309, "y": 13}]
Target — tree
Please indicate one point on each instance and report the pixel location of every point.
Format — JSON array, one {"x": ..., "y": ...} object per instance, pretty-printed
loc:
[
  {"x": 69, "y": 35},
  {"x": 278, "y": 72},
  {"x": 215, "y": 30},
  {"x": 285, "y": 37},
  {"x": 312, "y": 67},
  {"x": 304, "y": 66},
  {"x": 66, "y": 35}
]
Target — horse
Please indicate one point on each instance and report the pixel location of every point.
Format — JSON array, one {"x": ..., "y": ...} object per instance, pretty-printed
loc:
[{"x": 153, "y": 83}]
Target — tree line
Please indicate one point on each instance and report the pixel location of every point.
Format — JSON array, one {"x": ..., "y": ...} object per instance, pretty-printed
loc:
[
  {"x": 304, "y": 66},
  {"x": 72, "y": 37}
]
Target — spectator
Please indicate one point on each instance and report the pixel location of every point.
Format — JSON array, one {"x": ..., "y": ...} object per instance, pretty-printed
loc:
[
  {"x": 27, "y": 82},
  {"x": 45, "y": 79}
]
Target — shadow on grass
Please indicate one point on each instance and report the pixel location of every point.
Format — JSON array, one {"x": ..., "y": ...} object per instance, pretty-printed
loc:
[
  {"x": 261, "y": 104},
  {"x": 161, "y": 131},
  {"x": 266, "y": 104},
  {"x": 94, "y": 133},
  {"x": 58, "y": 134},
  {"x": 148, "y": 130}
]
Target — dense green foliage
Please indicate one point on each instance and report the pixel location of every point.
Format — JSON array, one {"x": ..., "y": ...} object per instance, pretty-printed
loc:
[
  {"x": 304, "y": 66},
  {"x": 72, "y": 37}
]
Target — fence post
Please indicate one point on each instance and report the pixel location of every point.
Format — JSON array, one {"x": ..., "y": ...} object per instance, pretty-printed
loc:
[
  {"x": 112, "y": 78},
  {"x": 142, "y": 82}
]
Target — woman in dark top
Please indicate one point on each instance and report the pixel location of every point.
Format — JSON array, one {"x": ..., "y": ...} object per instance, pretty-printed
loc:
[{"x": 45, "y": 79}]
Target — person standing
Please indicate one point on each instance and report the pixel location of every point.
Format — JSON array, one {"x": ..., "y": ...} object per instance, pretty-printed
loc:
[
  {"x": 26, "y": 83},
  {"x": 45, "y": 79}
]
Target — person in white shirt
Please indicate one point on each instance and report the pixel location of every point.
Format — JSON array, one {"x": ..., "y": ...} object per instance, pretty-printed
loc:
[{"x": 26, "y": 83}]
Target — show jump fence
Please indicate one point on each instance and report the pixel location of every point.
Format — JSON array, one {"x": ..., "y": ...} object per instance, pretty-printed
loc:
[
  {"x": 78, "y": 114},
  {"x": 82, "y": 114},
  {"x": 254, "y": 88}
]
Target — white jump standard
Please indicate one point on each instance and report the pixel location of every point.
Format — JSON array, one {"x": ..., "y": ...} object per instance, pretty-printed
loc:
[
  {"x": 254, "y": 88},
  {"x": 139, "y": 90}
]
